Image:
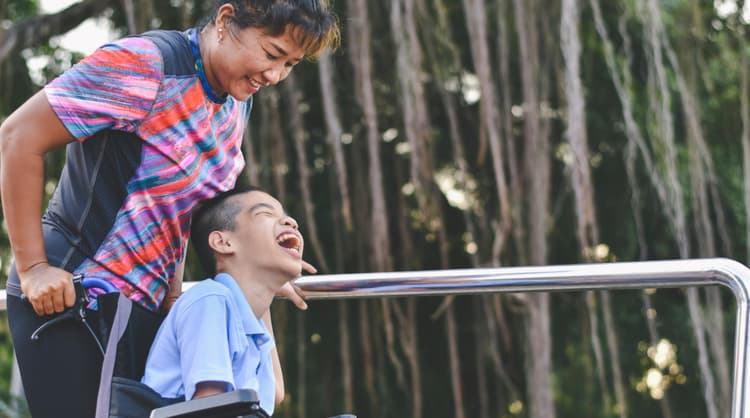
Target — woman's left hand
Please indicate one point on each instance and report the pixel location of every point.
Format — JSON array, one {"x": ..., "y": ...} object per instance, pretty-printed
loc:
[
  {"x": 308, "y": 267},
  {"x": 292, "y": 292}
]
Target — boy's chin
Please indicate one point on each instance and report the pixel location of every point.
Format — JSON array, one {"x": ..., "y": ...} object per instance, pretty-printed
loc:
[{"x": 293, "y": 271}]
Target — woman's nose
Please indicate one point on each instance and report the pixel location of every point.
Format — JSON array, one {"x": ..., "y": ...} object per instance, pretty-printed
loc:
[
  {"x": 276, "y": 74},
  {"x": 273, "y": 75}
]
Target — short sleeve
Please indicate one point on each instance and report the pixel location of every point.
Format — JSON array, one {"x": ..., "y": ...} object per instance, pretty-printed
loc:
[
  {"x": 203, "y": 340},
  {"x": 113, "y": 88}
]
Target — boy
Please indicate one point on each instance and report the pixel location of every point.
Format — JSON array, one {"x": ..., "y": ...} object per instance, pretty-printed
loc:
[{"x": 218, "y": 335}]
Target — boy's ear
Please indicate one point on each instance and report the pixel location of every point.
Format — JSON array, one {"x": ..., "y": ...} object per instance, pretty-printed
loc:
[{"x": 219, "y": 242}]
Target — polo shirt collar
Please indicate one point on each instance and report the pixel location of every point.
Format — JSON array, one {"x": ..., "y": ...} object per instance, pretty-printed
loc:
[{"x": 253, "y": 326}]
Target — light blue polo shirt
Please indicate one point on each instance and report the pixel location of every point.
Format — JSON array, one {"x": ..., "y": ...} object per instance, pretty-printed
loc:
[{"x": 211, "y": 334}]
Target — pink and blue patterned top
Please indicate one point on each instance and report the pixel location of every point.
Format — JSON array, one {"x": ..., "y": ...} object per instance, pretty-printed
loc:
[{"x": 151, "y": 145}]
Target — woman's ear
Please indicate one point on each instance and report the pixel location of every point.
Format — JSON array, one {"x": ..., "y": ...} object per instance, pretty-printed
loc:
[
  {"x": 222, "y": 15},
  {"x": 220, "y": 242}
]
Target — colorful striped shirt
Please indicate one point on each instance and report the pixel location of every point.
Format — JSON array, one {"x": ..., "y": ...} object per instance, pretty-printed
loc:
[{"x": 151, "y": 145}]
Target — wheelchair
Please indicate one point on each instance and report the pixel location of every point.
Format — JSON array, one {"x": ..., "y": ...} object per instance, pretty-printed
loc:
[{"x": 124, "y": 335}]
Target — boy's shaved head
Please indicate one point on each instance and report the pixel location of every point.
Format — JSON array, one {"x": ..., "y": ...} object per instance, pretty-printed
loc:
[{"x": 216, "y": 214}]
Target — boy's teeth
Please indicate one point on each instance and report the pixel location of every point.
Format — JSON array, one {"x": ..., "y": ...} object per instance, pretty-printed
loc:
[{"x": 282, "y": 239}]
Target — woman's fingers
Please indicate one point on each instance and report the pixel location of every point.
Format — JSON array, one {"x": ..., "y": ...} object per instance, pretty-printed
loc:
[
  {"x": 308, "y": 267},
  {"x": 48, "y": 306},
  {"x": 69, "y": 294},
  {"x": 58, "y": 299},
  {"x": 49, "y": 289},
  {"x": 293, "y": 294}
]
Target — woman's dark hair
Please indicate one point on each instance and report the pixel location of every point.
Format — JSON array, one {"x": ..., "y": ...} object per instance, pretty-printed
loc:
[
  {"x": 314, "y": 26},
  {"x": 216, "y": 214}
]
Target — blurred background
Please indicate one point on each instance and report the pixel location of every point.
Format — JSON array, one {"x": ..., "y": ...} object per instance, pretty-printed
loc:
[{"x": 465, "y": 133}]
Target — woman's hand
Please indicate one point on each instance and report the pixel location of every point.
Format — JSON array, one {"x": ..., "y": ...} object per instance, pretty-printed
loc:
[
  {"x": 49, "y": 289},
  {"x": 292, "y": 292},
  {"x": 308, "y": 267}
]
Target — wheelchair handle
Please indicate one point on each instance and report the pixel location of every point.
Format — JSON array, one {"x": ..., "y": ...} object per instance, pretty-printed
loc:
[
  {"x": 99, "y": 283},
  {"x": 78, "y": 311}
]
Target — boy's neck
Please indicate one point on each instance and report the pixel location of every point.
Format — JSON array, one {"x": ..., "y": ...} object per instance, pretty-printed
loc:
[{"x": 258, "y": 286}]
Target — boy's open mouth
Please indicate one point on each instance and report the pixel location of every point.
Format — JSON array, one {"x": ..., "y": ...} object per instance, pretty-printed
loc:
[{"x": 289, "y": 241}]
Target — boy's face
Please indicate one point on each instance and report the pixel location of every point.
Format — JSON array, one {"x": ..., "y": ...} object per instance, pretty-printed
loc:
[{"x": 265, "y": 236}]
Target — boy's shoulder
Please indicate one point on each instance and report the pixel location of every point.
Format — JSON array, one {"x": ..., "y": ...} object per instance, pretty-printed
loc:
[{"x": 204, "y": 289}]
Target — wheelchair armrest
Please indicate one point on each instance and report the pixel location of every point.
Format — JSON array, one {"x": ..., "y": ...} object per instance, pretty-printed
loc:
[{"x": 243, "y": 402}]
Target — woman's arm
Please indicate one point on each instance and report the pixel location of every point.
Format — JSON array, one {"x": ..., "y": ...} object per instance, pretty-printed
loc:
[
  {"x": 277, "y": 372},
  {"x": 25, "y": 138},
  {"x": 175, "y": 287}
]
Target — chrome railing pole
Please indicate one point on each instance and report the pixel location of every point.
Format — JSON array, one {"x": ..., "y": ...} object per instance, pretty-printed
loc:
[{"x": 635, "y": 275}]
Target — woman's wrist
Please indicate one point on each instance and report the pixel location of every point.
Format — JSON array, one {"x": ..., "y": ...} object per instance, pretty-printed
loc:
[{"x": 32, "y": 265}]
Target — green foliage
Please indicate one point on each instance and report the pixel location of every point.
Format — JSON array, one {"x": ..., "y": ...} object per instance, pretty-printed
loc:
[{"x": 18, "y": 9}]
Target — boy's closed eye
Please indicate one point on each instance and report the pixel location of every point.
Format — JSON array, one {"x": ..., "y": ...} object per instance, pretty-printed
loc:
[{"x": 263, "y": 209}]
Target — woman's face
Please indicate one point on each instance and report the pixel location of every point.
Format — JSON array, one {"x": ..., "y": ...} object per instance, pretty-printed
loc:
[{"x": 247, "y": 60}]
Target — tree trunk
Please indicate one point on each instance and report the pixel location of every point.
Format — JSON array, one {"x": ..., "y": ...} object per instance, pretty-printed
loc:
[
  {"x": 347, "y": 380},
  {"x": 622, "y": 85},
  {"x": 301, "y": 395},
  {"x": 410, "y": 345},
  {"x": 360, "y": 55},
  {"x": 614, "y": 352},
  {"x": 636, "y": 142},
  {"x": 415, "y": 118},
  {"x": 407, "y": 331},
  {"x": 745, "y": 115},
  {"x": 701, "y": 167},
  {"x": 506, "y": 103},
  {"x": 275, "y": 139},
  {"x": 185, "y": 10},
  {"x": 650, "y": 314},
  {"x": 480, "y": 353},
  {"x": 477, "y": 25},
  {"x": 390, "y": 343},
  {"x": 658, "y": 41},
  {"x": 35, "y": 31},
  {"x": 579, "y": 173},
  {"x": 445, "y": 72},
  {"x": 539, "y": 357},
  {"x": 251, "y": 169},
  {"x": 536, "y": 158},
  {"x": 366, "y": 342},
  {"x": 333, "y": 126},
  {"x": 578, "y": 166},
  {"x": 696, "y": 317},
  {"x": 455, "y": 364},
  {"x": 536, "y": 171},
  {"x": 299, "y": 136},
  {"x": 596, "y": 346},
  {"x": 128, "y": 6}
]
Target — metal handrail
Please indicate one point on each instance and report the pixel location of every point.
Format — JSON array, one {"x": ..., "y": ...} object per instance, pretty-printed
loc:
[
  {"x": 579, "y": 277},
  {"x": 634, "y": 275}
]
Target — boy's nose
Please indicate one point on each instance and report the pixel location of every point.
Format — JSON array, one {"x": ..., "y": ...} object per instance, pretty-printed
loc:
[{"x": 289, "y": 221}]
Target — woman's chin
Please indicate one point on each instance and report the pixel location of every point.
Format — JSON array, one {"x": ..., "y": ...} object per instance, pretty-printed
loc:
[{"x": 241, "y": 97}]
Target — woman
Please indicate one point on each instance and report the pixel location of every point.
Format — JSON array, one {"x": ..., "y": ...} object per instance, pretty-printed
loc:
[{"x": 153, "y": 125}]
